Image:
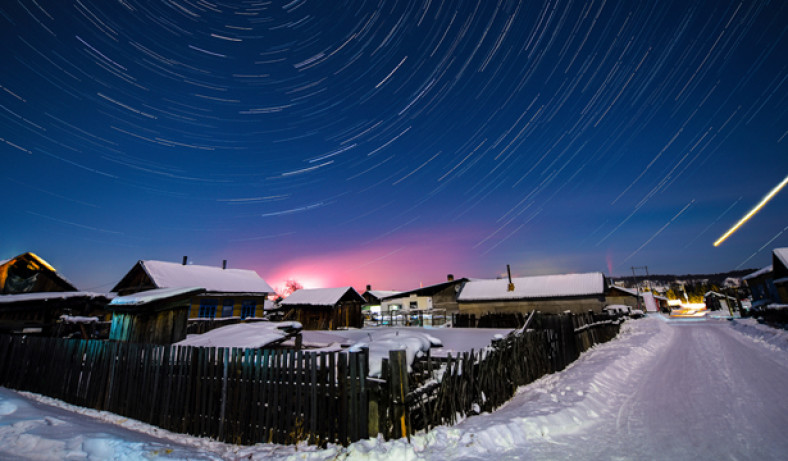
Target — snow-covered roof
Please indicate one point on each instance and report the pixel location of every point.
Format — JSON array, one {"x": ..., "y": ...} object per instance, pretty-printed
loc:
[
  {"x": 215, "y": 279},
  {"x": 159, "y": 294},
  {"x": 542, "y": 286},
  {"x": 244, "y": 335},
  {"x": 630, "y": 291},
  {"x": 758, "y": 273},
  {"x": 782, "y": 255},
  {"x": 317, "y": 296},
  {"x": 46, "y": 296},
  {"x": 382, "y": 293}
]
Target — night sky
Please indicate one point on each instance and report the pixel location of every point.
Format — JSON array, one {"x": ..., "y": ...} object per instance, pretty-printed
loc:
[{"x": 392, "y": 142}]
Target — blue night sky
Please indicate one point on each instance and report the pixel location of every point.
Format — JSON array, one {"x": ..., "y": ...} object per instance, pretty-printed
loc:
[{"x": 393, "y": 142}]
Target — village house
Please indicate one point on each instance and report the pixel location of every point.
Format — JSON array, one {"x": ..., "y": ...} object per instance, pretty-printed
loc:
[
  {"x": 325, "y": 308},
  {"x": 228, "y": 292},
  {"x": 433, "y": 302},
  {"x": 36, "y": 299},
  {"x": 552, "y": 294},
  {"x": 373, "y": 300},
  {"x": 28, "y": 273},
  {"x": 632, "y": 297},
  {"x": 780, "y": 273},
  {"x": 761, "y": 284}
]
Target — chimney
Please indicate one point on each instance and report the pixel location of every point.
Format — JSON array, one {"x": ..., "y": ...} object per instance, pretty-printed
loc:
[
  {"x": 450, "y": 277},
  {"x": 224, "y": 264},
  {"x": 184, "y": 260},
  {"x": 509, "y": 273},
  {"x": 369, "y": 287}
]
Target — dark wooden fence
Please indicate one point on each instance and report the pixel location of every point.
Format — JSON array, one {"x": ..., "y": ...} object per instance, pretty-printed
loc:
[
  {"x": 246, "y": 396},
  {"x": 240, "y": 396},
  {"x": 480, "y": 381}
]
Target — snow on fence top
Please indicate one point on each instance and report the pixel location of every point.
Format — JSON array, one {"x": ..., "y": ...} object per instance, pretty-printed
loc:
[
  {"x": 542, "y": 286},
  {"x": 172, "y": 275},
  {"x": 317, "y": 296}
]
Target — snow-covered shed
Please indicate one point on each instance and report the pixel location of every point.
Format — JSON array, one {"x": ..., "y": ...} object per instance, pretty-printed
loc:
[
  {"x": 546, "y": 293},
  {"x": 325, "y": 308},
  {"x": 228, "y": 292},
  {"x": 155, "y": 316}
]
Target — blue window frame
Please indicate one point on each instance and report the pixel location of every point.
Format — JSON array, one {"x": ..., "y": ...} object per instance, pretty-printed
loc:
[
  {"x": 227, "y": 307},
  {"x": 207, "y": 308},
  {"x": 247, "y": 308}
]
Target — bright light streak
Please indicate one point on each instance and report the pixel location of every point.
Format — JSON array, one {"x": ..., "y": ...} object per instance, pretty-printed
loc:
[{"x": 752, "y": 212}]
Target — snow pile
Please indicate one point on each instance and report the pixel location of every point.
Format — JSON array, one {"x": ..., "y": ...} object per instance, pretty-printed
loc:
[
  {"x": 776, "y": 339},
  {"x": 454, "y": 340},
  {"x": 414, "y": 343},
  {"x": 244, "y": 335}
]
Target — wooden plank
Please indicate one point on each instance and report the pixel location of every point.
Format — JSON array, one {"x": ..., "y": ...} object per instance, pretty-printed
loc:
[
  {"x": 342, "y": 384},
  {"x": 313, "y": 396},
  {"x": 352, "y": 397}
]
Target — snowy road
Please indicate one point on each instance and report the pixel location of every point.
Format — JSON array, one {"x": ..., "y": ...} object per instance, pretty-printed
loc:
[
  {"x": 712, "y": 395},
  {"x": 661, "y": 390}
]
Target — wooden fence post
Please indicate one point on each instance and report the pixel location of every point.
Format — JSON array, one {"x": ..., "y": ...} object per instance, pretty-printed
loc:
[{"x": 399, "y": 389}]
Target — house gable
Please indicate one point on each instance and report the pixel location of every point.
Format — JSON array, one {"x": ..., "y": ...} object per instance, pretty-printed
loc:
[{"x": 28, "y": 273}]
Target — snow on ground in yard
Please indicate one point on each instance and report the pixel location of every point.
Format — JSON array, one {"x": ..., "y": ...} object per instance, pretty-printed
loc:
[
  {"x": 454, "y": 340},
  {"x": 607, "y": 405}
]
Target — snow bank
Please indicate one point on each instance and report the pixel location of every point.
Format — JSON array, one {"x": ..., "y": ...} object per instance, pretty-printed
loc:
[
  {"x": 772, "y": 337},
  {"x": 414, "y": 343}
]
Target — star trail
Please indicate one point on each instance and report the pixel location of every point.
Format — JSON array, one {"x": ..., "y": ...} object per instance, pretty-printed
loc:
[{"x": 392, "y": 142}]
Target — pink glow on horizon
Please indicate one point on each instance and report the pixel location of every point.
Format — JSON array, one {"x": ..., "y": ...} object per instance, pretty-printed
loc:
[{"x": 399, "y": 264}]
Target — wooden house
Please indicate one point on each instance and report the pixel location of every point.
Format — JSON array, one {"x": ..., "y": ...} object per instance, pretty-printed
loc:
[
  {"x": 34, "y": 297},
  {"x": 762, "y": 288},
  {"x": 553, "y": 294},
  {"x": 325, "y": 308},
  {"x": 152, "y": 317},
  {"x": 28, "y": 273},
  {"x": 430, "y": 305},
  {"x": 228, "y": 292},
  {"x": 439, "y": 296},
  {"x": 780, "y": 274}
]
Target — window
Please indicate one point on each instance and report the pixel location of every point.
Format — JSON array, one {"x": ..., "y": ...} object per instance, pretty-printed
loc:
[
  {"x": 247, "y": 308},
  {"x": 227, "y": 308},
  {"x": 207, "y": 308}
]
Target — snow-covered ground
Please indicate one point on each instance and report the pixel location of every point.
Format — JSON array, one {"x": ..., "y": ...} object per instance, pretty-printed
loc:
[{"x": 713, "y": 389}]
